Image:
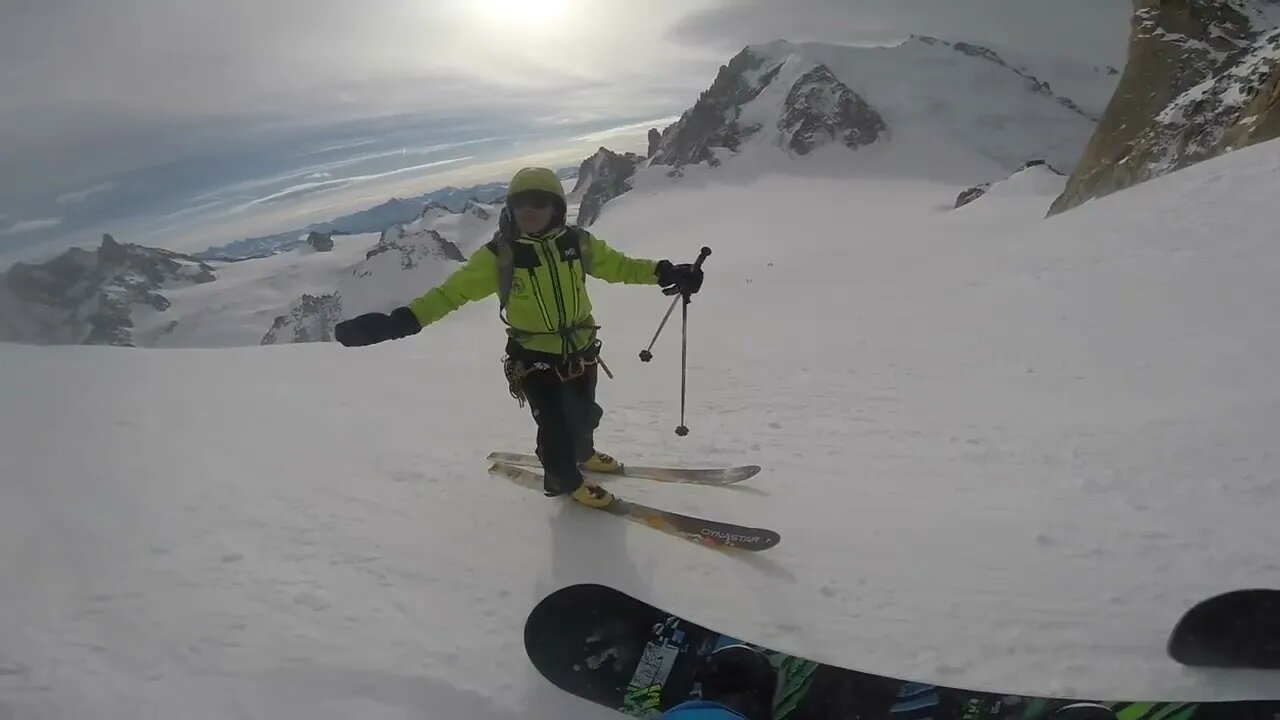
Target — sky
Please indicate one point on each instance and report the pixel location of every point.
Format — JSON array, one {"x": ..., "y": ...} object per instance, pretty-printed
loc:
[{"x": 186, "y": 123}]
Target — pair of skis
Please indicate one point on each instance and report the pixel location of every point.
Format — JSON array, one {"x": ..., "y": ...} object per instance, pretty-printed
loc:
[{"x": 523, "y": 470}]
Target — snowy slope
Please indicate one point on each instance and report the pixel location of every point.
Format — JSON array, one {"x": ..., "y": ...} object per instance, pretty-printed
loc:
[
  {"x": 1002, "y": 452},
  {"x": 1087, "y": 85}
]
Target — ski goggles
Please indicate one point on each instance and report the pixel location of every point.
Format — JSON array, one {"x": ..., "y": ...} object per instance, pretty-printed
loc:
[{"x": 536, "y": 199}]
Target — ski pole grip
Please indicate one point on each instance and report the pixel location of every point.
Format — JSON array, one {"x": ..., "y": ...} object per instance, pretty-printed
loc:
[{"x": 702, "y": 256}]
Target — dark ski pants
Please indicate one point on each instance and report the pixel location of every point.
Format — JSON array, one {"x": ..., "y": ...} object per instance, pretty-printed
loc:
[{"x": 567, "y": 416}]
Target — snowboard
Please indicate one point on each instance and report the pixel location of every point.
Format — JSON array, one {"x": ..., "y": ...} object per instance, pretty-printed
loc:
[
  {"x": 1236, "y": 629},
  {"x": 614, "y": 650}
]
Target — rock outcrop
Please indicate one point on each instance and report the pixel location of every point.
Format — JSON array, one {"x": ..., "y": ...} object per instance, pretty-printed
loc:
[
  {"x": 412, "y": 248},
  {"x": 311, "y": 319},
  {"x": 89, "y": 296},
  {"x": 320, "y": 242},
  {"x": 969, "y": 195},
  {"x": 601, "y": 178},
  {"x": 819, "y": 108},
  {"x": 1203, "y": 78}
]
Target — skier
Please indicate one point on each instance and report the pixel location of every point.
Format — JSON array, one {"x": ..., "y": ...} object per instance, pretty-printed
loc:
[
  {"x": 538, "y": 266},
  {"x": 737, "y": 683}
]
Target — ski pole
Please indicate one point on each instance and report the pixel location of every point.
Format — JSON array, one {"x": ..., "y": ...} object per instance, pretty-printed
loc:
[
  {"x": 646, "y": 355},
  {"x": 683, "y": 429}
]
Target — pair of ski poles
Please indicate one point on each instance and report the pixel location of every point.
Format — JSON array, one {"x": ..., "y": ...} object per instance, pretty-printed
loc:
[{"x": 646, "y": 355}]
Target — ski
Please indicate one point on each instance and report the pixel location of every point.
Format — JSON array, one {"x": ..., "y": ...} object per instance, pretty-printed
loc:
[
  {"x": 623, "y": 653},
  {"x": 708, "y": 533},
  {"x": 1236, "y": 629},
  {"x": 691, "y": 476}
]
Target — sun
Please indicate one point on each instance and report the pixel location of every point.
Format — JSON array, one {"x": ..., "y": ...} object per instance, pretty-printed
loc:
[{"x": 539, "y": 14}]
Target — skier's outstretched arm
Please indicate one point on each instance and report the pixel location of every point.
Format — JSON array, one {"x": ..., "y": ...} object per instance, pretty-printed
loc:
[
  {"x": 612, "y": 266},
  {"x": 475, "y": 280}
]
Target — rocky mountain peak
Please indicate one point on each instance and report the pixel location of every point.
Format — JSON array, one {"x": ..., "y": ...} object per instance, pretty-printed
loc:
[
  {"x": 431, "y": 207},
  {"x": 310, "y": 319},
  {"x": 88, "y": 297},
  {"x": 474, "y": 208},
  {"x": 712, "y": 122},
  {"x": 601, "y": 178},
  {"x": 111, "y": 252},
  {"x": 414, "y": 247},
  {"x": 819, "y": 108},
  {"x": 1203, "y": 78}
]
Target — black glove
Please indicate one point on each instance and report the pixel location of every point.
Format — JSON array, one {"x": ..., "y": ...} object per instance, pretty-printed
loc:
[
  {"x": 684, "y": 279},
  {"x": 375, "y": 327}
]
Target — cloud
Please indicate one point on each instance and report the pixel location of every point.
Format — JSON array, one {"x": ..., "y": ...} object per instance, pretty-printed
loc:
[
  {"x": 79, "y": 196},
  {"x": 26, "y": 226},
  {"x": 297, "y": 191},
  {"x": 149, "y": 100},
  {"x": 1089, "y": 30},
  {"x": 197, "y": 57},
  {"x": 644, "y": 126}
]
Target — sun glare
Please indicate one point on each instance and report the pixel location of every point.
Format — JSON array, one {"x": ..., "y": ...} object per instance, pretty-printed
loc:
[{"x": 537, "y": 14}]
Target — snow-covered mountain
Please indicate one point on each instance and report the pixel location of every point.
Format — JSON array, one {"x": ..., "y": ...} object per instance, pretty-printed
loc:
[
  {"x": 395, "y": 211},
  {"x": 90, "y": 296},
  {"x": 1036, "y": 176},
  {"x": 468, "y": 228},
  {"x": 802, "y": 96},
  {"x": 924, "y": 108},
  {"x": 1203, "y": 78},
  {"x": 804, "y": 100},
  {"x": 408, "y": 260},
  {"x": 401, "y": 267},
  {"x": 133, "y": 295}
]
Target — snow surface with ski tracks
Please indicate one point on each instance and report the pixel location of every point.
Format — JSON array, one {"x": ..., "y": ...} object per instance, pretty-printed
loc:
[{"x": 1003, "y": 452}]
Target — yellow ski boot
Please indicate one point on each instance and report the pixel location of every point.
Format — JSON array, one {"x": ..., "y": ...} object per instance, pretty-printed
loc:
[
  {"x": 602, "y": 463},
  {"x": 593, "y": 495}
]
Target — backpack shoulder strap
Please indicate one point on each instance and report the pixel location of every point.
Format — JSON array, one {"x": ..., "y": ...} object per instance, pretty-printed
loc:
[
  {"x": 577, "y": 237},
  {"x": 501, "y": 248}
]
